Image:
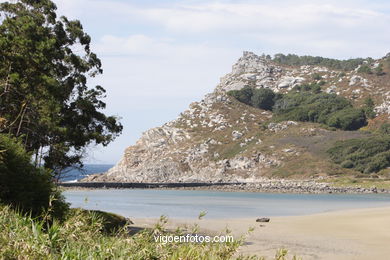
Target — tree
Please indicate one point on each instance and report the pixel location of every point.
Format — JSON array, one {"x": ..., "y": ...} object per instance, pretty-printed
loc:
[
  {"x": 45, "y": 62},
  {"x": 23, "y": 186}
]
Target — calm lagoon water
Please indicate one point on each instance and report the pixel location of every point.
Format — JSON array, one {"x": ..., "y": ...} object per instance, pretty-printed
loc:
[{"x": 188, "y": 204}]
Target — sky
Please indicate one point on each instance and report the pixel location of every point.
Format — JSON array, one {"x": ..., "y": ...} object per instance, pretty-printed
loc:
[{"x": 159, "y": 56}]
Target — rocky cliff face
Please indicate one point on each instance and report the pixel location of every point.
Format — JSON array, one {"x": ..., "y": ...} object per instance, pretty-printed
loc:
[{"x": 220, "y": 139}]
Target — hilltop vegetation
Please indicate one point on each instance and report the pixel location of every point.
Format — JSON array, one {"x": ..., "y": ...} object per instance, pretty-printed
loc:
[
  {"x": 296, "y": 60},
  {"x": 305, "y": 103}
]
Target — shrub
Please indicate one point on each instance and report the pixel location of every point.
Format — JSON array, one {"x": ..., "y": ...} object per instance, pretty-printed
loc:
[
  {"x": 369, "y": 106},
  {"x": 243, "y": 95},
  {"x": 317, "y": 76},
  {"x": 24, "y": 186},
  {"x": 379, "y": 70},
  {"x": 347, "y": 164},
  {"x": 295, "y": 60},
  {"x": 385, "y": 129},
  {"x": 308, "y": 103},
  {"x": 364, "y": 69},
  {"x": 305, "y": 103},
  {"x": 347, "y": 119},
  {"x": 263, "y": 98},
  {"x": 366, "y": 155},
  {"x": 314, "y": 88}
]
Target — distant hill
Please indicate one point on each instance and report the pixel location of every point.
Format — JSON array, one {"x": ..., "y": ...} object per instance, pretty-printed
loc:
[{"x": 222, "y": 139}]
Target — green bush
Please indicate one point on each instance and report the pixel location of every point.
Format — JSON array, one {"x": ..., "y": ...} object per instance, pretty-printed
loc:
[
  {"x": 369, "y": 106},
  {"x": 365, "y": 69},
  {"x": 306, "y": 103},
  {"x": 366, "y": 155},
  {"x": 347, "y": 164},
  {"x": 243, "y": 95},
  {"x": 385, "y": 129},
  {"x": 317, "y": 76},
  {"x": 263, "y": 98},
  {"x": 379, "y": 70},
  {"x": 347, "y": 119},
  {"x": 295, "y": 60},
  {"x": 24, "y": 186}
]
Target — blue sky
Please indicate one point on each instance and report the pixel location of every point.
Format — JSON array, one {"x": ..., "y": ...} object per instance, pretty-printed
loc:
[{"x": 159, "y": 56}]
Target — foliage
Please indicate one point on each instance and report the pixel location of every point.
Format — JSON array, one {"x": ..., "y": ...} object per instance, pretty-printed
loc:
[
  {"x": 44, "y": 96},
  {"x": 307, "y": 103},
  {"x": 24, "y": 186},
  {"x": 366, "y": 155},
  {"x": 262, "y": 98},
  {"x": 379, "y": 70},
  {"x": 243, "y": 95},
  {"x": 365, "y": 69},
  {"x": 317, "y": 76},
  {"x": 295, "y": 60},
  {"x": 385, "y": 129},
  {"x": 369, "y": 106},
  {"x": 111, "y": 223},
  {"x": 341, "y": 74},
  {"x": 347, "y": 119},
  {"x": 80, "y": 236}
]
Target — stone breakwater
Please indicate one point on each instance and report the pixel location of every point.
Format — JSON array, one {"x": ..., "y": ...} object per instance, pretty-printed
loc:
[{"x": 272, "y": 186}]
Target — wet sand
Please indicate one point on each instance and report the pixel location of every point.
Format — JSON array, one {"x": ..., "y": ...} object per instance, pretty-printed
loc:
[{"x": 349, "y": 234}]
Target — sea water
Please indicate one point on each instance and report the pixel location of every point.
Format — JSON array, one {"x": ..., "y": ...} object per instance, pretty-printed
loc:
[
  {"x": 73, "y": 174},
  {"x": 144, "y": 203}
]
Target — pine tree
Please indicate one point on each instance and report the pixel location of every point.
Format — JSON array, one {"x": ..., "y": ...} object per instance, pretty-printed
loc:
[{"x": 45, "y": 101}]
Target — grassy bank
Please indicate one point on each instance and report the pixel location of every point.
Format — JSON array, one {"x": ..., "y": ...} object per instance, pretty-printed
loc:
[
  {"x": 83, "y": 236},
  {"x": 99, "y": 235},
  {"x": 366, "y": 183}
]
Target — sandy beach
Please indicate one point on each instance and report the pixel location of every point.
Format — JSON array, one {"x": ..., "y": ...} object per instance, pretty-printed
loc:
[{"x": 349, "y": 234}]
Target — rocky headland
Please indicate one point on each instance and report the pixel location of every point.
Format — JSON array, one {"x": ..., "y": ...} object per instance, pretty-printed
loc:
[{"x": 219, "y": 139}]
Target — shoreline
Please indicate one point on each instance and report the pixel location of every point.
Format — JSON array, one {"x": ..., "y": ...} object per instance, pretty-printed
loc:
[
  {"x": 268, "y": 186},
  {"x": 341, "y": 234}
]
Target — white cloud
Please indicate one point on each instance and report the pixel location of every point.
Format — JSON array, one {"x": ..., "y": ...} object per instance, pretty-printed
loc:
[
  {"x": 162, "y": 66},
  {"x": 158, "y": 58},
  {"x": 254, "y": 16},
  {"x": 349, "y": 27},
  {"x": 148, "y": 46}
]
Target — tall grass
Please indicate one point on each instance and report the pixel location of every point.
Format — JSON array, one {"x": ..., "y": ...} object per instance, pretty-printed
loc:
[{"x": 83, "y": 236}]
